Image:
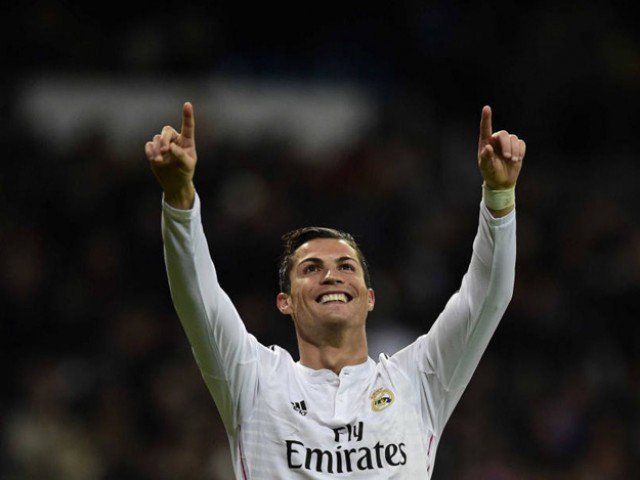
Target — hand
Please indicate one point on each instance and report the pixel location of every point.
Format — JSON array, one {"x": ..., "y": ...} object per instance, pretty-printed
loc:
[
  {"x": 173, "y": 158},
  {"x": 500, "y": 154}
]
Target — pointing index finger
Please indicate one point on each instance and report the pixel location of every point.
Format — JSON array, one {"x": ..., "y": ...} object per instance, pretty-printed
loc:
[
  {"x": 188, "y": 121},
  {"x": 486, "y": 130}
]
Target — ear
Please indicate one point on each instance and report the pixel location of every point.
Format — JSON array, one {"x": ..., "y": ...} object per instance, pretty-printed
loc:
[
  {"x": 371, "y": 299},
  {"x": 283, "y": 302}
]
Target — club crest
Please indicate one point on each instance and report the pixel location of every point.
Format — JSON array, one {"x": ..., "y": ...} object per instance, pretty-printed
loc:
[{"x": 381, "y": 399}]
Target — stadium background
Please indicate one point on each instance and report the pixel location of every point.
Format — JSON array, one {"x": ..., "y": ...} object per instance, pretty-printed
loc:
[{"x": 359, "y": 117}]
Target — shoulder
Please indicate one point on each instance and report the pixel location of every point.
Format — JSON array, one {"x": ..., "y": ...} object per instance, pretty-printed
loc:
[{"x": 275, "y": 356}]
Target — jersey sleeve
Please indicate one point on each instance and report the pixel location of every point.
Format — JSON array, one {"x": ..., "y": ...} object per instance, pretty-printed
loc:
[
  {"x": 449, "y": 353},
  {"x": 224, "y": 351}
]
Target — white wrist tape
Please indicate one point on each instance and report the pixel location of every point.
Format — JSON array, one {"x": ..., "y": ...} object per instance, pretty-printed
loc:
[{"x": 498, "y": 199}]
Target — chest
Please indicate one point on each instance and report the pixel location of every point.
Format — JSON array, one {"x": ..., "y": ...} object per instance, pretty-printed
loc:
[{"x": 352, "y": 425}]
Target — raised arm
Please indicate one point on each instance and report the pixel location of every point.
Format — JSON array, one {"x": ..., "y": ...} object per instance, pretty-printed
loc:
[
  {"x": 448, "y": 355},
  {"x": 224, "y": 351}
]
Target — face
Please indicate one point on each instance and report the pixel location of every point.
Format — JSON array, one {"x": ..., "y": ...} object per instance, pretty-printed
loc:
[{"x": 327, "y": 287}]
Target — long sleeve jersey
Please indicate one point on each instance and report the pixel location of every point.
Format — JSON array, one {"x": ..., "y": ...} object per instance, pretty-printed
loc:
[{"x": 376, "y": 420}]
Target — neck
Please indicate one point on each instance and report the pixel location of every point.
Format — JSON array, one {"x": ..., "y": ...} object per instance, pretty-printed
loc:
[{"x": 334, "y": 351}]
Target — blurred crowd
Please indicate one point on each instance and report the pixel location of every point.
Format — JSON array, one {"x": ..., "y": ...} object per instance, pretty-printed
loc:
[{"x": 98, "y": 378}]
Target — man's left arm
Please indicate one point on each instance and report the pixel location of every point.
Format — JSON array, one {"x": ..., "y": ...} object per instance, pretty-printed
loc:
[{"x": 448, "y": 355}]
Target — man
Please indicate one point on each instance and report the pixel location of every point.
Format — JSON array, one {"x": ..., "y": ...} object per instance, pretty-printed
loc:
[{"x": 335, "y": 412}]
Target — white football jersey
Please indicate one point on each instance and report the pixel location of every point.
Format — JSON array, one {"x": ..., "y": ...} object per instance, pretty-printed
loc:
[{"x": 374, "y": 420}]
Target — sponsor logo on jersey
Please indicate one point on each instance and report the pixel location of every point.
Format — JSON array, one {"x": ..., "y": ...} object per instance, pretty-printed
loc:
[
  {"x": 300, "y": 407},
  {"x": 381, "y": 399},
  {"x": 343, "y": 459},
  {"x": 351, "y": 454}
]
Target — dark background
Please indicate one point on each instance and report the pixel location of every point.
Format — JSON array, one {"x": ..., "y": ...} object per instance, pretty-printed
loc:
[{"x": 98, "y": 378}]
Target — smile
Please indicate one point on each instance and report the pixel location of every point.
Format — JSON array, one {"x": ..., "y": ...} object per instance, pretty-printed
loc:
[{"x": 334, "y": 297}]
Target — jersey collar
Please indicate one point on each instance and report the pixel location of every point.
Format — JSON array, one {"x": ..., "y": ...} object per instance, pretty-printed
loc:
[{"x": 325, "y": 375}]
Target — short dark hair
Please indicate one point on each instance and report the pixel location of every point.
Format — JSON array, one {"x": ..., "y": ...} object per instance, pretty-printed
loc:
[{"x": 293, "y": 239}]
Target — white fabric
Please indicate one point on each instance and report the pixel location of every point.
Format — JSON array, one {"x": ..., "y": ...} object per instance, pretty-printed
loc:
[{"x": 287, "y": 421}]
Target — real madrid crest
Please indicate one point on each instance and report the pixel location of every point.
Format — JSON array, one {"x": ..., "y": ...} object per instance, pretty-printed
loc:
[{"x": 381, "y": 399}]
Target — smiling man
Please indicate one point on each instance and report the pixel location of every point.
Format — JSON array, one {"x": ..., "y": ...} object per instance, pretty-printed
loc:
[
  {"x": 325, "y": 287},
  {"x": 335, "y": 413}
]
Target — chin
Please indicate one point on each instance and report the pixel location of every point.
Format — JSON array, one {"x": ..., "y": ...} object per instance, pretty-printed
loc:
[{"x": 338, "y": 318}]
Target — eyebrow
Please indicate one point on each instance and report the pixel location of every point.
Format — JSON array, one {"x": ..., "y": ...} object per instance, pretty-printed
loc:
[{"x": 318, "y": 260}]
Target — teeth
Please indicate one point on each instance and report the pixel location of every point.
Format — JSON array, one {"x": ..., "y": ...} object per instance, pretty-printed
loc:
[{"x": 334, "y": 297}]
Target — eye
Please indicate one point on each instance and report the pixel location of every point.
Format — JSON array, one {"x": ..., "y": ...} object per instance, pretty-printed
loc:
[
  {"x": 310, "y": 268},
  {"x": 347, "y": 266}
]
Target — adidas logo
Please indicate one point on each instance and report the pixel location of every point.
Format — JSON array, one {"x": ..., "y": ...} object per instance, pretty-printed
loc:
[{"x": 300, "y": 407}]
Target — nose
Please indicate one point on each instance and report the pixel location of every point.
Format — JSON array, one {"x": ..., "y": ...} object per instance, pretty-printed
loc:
[{"x": 331, "y": 278}]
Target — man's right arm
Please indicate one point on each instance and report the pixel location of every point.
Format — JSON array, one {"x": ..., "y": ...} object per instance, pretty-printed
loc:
[
  {"x": 224, "y": 351},
  {"x": 226, "y": 354}
]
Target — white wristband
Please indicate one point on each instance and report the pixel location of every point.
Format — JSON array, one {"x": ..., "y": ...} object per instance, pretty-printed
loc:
[{"x": 498, "y": 199}]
